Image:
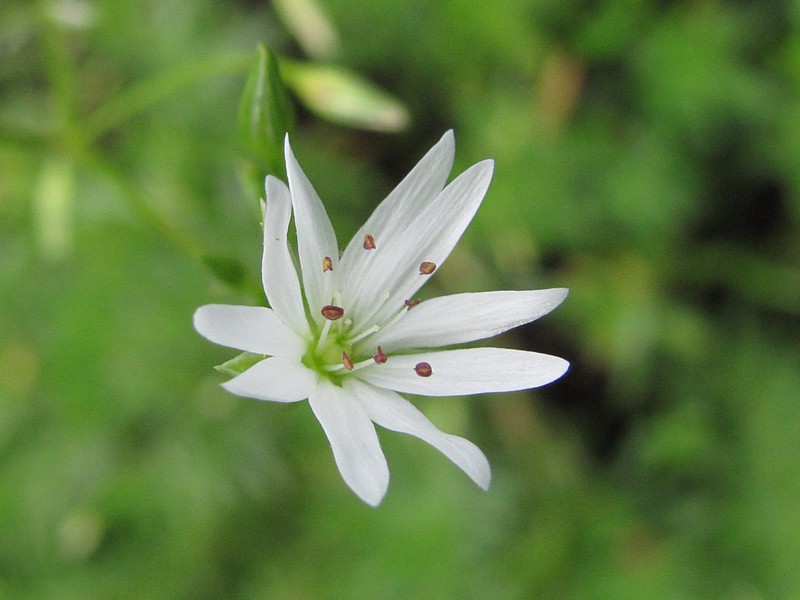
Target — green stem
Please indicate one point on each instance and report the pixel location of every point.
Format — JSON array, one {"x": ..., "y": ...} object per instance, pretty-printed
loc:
[
  {"x": 182, "y": 241},
  {"x": 61, "y": 74},
  {"x": 150, "y": 92}
]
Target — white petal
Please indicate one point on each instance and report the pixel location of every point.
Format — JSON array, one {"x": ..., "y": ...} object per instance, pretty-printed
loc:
[
  {"x": 316, "y": 239},
  {"x": 430, "y": 237},
  {"x": 250, "y": 328},
  {"x": 398, "y": 210},
  {"x": 278, "y": 273},
  {"x": 468, "y": 371},
  {"x": 275, "y": 379},
  {"x": 354, "y": 441},
  {"x": 390, "y": 410},
  {"x": 466, "y": 317}
]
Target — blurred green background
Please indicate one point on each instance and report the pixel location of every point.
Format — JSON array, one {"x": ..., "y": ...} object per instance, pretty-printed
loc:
[{"x": 647, "y": 157}]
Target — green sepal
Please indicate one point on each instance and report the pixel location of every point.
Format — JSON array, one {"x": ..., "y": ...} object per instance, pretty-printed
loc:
[
  {"x": 341, "y": 96},
  {"x": 239, "y": 364},
  {"x": 266, "y": 113}
]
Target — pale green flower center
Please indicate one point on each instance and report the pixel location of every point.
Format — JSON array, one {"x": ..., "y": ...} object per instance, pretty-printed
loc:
[{"x": 335, "y": 351}]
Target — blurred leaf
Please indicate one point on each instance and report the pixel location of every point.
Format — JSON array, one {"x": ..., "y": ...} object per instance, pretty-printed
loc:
[
  {"x": 341, "y": 96},
  {"x": 228, "y": 270},
  {"x": 266, "y": 114},
  {"x": 752, "y": 276},
  {"x": 53, "y": 207},
  {"x": 312, "y": 29}
]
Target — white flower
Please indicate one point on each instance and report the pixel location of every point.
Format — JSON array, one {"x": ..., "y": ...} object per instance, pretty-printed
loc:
[{"x": 347, "y": 334}]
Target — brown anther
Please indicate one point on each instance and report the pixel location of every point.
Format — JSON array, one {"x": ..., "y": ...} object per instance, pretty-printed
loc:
[
  {"x": 347, "y": 361},
  {"x": 380, "y": 358},
  {"x": 423, "y": 369},
  {"x": 369, "y": 242},
  {"x": 332, "y": 313},
  {"x": 412, "y": 303},
  {"x": 327, "y": 264},
  {"x": 427, "y": 268}
]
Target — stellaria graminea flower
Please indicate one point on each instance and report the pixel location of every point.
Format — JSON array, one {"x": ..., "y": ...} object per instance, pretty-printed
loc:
[{"x": 346, "y": 334}]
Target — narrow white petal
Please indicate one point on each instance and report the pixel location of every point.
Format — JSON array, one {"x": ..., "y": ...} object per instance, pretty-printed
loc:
[
  {"x": 397, "y": 211},
  {"x": 466, "y": 317},
  {"x": 354, "y": 441},
  {"x": 468, "y": 371},
  {"x": 390, "y": 410},
  {"x": 430, "y": 237},
  {"x": 278, "y": 272},
  {"x": 316, "y": 239},
  {"x": 275, "y": 379},
  {"x": 250, "y": 328}
]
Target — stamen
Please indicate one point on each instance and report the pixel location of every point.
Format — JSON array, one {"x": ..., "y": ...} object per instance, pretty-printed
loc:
[
  {"x": 408, "y": 305},
  {"x": 349, "y": 365},
  {"x": 427, "y": 268},
  {"x": 423, "y": 369},
  {"x": 332, "y": 313},
  {"x": 347, "y": 361},
  {"x": 363, "y": 334},
  {"x": 363, "y": 363},
  {"x": 367, "y": 317},
  {"x": 327, "y": 264},
  {"x": 380, "y": 358},
  {"x": 369, "y": 242},
  {"x": 324, "y": 335}
]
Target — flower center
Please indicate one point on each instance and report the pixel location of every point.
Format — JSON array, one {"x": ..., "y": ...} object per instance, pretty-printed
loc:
[
  {"x": 337, "y": 350},
  {"x": 333, "y": 353}
]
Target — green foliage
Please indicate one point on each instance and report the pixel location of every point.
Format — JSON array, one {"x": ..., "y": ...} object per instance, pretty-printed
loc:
[{"x": 647, "y": 157}]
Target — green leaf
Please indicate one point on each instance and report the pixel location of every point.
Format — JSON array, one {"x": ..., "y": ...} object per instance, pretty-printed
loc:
[
  {"x": 239, "y": 364},
  {"x": 228, "y": 270},
  {"x": 341, "y": 96},
  {"x": 266, "y": 113}
]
